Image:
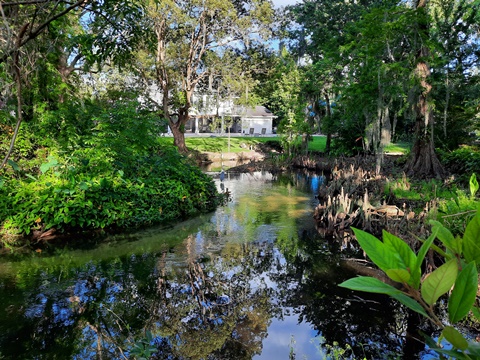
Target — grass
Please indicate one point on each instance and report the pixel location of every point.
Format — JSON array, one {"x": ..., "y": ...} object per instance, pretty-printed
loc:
[
  {"x": 318, "y": 143},
  {"x": 401, "y": 147},
  {"x": 244, "y": 143},
  {"x": 237, "y": 144},
  {"x": 220, "y": 144},
  {"x": 404, "y": 188}
]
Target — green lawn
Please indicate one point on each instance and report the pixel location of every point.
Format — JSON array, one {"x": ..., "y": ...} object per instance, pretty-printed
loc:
[
  {"x": 240, "y": 144},
  {"x": 401, "y": 147},
  {"x": 220, "y": 144}
]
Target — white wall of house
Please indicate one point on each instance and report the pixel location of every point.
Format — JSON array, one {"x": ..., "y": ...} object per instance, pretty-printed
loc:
[{"x": 257, "y": 123}]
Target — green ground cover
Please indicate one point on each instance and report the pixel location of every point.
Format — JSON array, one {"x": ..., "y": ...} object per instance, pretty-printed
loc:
[
  {"x": 220, "y": 143},
  {"x": 400, "y": 147},
  {"x": 240, "y": 144}
]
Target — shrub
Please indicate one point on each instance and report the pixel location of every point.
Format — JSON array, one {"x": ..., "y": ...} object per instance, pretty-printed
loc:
[
  {"x": 86, "y": 193},
  {"x": 462, "y": 162}
]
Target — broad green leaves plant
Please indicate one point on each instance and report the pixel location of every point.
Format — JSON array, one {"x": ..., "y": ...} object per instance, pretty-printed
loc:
[
  {"x": 457, "y": 277},
  {"x": 471, "y": 240},
  {"x": 473, "y": 185},
  {"x": 52, "y": 162},
  {"x": 464, "y": 293},
  {"x": 439, "y": 282}
]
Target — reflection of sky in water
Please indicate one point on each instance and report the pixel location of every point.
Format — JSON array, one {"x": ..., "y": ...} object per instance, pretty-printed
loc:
[{"x": 286, "y": 335}]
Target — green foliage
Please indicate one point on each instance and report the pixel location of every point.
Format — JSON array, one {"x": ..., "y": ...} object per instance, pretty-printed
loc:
[
  {"x": 91, "y": 193},
  {"x": 462, "y": 162},
  {"x": 404, "y": 188},
  {"x": 473, "y": 185},
  {"x": 459, "y": 271},
  {"x": 143, "y": 348},
  {"x": 112, "y": 174}
]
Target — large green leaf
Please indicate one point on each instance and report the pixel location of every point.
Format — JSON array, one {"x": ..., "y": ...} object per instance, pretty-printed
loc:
[
  {"x": 369, "y": 284},
  {"x": 439, "y": 281},
  {"x": 464, "y": 293},
  {"x": 476, "y": 312},
  {"x": 410, "y": 303},
  {"x": 446, "y": 237},
  {"x": 47, "y": 166},
  {"x": 13, "y": 164},
  {"x": 399, "y": 275},
  {"x": 471, "y": 240},
  {"x": 454, "y": 337},
  {"x": 473, "y": 184},
  {"x": 402, "y": 252},
  {"x": 377, "y": 251}
]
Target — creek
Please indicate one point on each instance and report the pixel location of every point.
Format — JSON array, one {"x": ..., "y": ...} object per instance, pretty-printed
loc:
[{"x": 253, "y": 280}]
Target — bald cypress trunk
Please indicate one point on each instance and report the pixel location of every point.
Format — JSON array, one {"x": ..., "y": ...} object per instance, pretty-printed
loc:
[{"x": 423, "y": 161}]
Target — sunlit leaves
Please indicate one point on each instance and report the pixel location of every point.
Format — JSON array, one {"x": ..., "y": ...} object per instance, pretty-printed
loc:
[
  {"x": 464, "y": 293},
  {"x": 393, "y": 255},
  {"x": 398, "y": 275},
  {"x": 50, "y": 164},
  {"x": 377, "y": 251},
  {"x": 447, "y": 238},
  {"x": 473, "y": 185},
  {"x": 471, "y": 240},
  {"x": 373, "y": 285},
  {"x": 439, "y": 282},
  {"x": 405, "y": 256}
]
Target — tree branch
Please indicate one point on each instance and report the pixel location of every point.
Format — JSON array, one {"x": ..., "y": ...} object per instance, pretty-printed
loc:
[{"x": 34, "y": 33}]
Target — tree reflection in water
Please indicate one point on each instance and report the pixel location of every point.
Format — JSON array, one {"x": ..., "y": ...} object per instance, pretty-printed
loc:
[{"x": 215, "y": 295}]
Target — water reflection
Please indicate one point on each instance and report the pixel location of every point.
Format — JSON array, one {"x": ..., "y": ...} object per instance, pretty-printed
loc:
[{"x": 253, "y": 280}]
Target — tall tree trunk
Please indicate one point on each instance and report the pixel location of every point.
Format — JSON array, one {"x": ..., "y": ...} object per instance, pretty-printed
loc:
[
  {"x": 178, "y": 129},
  {"x": 178, "y": 138},
  {"x": 423, "y": 161}
]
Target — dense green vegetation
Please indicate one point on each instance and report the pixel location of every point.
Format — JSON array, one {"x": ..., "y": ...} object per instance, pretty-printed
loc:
[
  {"x": 245, "y": 143},
  {"x": 88, "y": 88},
  {"x": 420, "y": 293},
  {"x": 115, "y": 175}
]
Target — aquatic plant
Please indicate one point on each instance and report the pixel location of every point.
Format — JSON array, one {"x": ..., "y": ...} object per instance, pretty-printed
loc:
[{"x": 420, "y": 290}]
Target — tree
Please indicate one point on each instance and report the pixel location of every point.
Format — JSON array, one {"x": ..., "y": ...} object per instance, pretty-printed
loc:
[
  {"x": 44, "y": 44},
  {"x": 423, "y": 161},
  {"x": 287, "y": 102},
  {"x": 22, "y": 23},
  {"x": 455, "y": 30},
  {"x": 325, "y": 47},
  {"x": 183, "y": 45}
]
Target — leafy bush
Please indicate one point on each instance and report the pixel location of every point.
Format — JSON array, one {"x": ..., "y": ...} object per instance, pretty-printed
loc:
[
  {"x": 462, "y": 162},
  {"x": 90, "y": 193},
  {"x": 111, "y": 172}
]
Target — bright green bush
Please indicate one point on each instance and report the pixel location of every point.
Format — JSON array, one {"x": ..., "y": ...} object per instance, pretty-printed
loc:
[
  {"x": 83, "y": 195},
  {"x": 98, "y": 166}
]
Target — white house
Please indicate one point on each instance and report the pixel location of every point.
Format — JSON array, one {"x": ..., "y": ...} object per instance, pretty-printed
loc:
[
  {"x": 257, "y": 120},
  {"x": 210, "y": 114}
]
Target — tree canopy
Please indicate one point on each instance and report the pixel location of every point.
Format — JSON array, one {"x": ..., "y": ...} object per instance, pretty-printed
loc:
[{"x": 391, "y": 66}]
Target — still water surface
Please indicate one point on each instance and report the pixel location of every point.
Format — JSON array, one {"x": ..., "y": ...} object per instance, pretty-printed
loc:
[{"x": 253, "y": 280}]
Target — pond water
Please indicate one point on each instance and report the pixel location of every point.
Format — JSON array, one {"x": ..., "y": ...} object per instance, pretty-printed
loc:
[{"x": 253, "y": 280}]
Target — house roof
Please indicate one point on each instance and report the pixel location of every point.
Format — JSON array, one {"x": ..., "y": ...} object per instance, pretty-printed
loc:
[{"x": 258, "y": 111}]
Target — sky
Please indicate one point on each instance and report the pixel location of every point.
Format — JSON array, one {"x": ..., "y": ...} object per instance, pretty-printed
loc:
[{"x": 279, "y": 3}]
